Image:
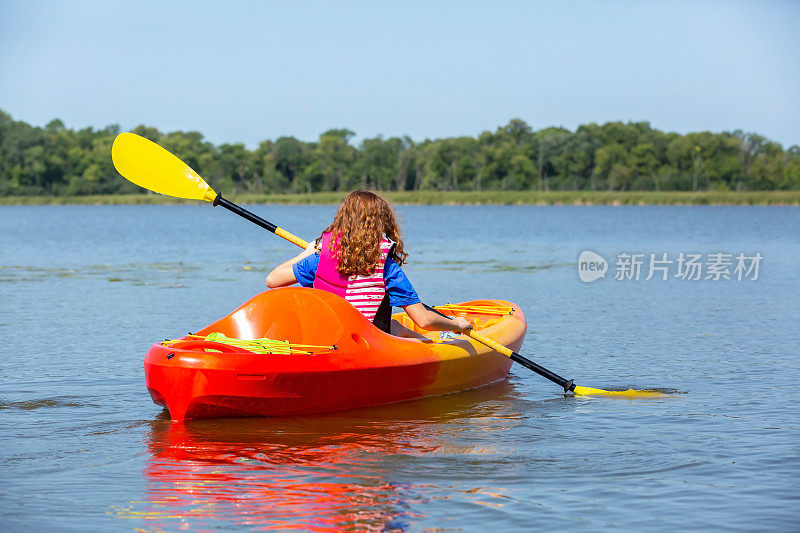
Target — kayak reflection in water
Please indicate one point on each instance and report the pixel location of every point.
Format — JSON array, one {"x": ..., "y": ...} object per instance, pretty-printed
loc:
[
  {"x": 307, "y": 475},
  {"x": 359, "y": 258}
]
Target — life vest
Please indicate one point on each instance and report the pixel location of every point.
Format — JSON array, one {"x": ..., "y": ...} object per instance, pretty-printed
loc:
[{"x": 366, "y": 293}]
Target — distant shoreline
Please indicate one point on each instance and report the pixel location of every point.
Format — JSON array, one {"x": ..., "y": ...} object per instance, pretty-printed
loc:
[{"x": 453, "y": 198}]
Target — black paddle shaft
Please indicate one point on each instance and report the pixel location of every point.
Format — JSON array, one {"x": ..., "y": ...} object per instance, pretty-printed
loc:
[
  {"x": 244, "y": 213},
  {"x": 568, "y": 385}
]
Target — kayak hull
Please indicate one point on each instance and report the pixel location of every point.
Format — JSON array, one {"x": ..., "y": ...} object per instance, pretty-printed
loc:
[{"x": 367, "y": 367}]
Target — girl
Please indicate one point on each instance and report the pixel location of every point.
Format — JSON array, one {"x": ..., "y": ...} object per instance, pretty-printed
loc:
[{"x": 358, "y": 257}]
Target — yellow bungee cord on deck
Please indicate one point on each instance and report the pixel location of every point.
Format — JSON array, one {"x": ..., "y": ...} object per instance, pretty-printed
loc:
[
  {"x": 262, "y": 346},
  {"x": 483, "y": 309}
]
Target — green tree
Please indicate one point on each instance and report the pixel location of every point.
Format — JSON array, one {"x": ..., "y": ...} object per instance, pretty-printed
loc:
[
  {"x": 619, "y": 156},
  {"x": 330, "y": 162}
]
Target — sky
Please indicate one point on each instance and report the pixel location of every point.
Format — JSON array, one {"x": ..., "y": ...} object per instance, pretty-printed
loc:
[{"x": 246, "y": 71}]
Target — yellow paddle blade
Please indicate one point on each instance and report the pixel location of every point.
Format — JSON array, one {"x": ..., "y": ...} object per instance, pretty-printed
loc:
[
  {"x": 148, "y": 165},
  {"x": 630, "y": 393}
]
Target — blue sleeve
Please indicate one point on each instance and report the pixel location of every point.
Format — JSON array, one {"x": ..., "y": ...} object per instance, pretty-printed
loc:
[
  {"x": 306, "y": 269},
  {"x": 397, "y": 285}
]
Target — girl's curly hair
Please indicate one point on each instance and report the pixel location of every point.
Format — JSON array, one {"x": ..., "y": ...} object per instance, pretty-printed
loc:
[{"x": 357, "y": 230}]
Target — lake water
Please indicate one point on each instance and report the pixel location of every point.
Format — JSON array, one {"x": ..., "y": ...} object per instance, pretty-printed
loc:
[{"x": 85, "y": 290}]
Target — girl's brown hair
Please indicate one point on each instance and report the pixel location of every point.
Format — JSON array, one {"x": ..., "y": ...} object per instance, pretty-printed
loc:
[{"x": 357, "y": 230}]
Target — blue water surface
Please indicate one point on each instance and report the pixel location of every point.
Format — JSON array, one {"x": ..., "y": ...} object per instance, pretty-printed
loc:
[{"x": 85, "y": 290}]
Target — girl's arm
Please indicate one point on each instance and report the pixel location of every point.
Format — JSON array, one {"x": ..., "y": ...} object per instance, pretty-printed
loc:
[
  {"x": 432, "y": 321},
  {"x": 283, "y": 275}
]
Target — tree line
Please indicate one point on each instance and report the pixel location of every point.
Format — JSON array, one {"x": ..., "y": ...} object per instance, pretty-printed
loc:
[{"x": 56, "y": 160}]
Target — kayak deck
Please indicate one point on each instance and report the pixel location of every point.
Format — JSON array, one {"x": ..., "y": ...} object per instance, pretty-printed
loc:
[{"x": 363, "y": 366}]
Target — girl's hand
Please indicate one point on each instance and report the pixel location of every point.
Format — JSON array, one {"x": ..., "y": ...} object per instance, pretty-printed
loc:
[
  {"x": 312, "y": 247},
  {"x": 461, "y": 325}
]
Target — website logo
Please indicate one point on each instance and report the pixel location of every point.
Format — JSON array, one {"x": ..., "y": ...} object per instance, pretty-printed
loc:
[{"x": 591, "y": 266}]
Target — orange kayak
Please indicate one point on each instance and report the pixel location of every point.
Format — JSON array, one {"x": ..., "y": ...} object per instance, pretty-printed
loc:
[{"x": 339, "y": 360}]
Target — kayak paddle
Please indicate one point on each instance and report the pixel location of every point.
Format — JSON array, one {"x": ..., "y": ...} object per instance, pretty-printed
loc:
[{"x": 152, "y": 167}]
